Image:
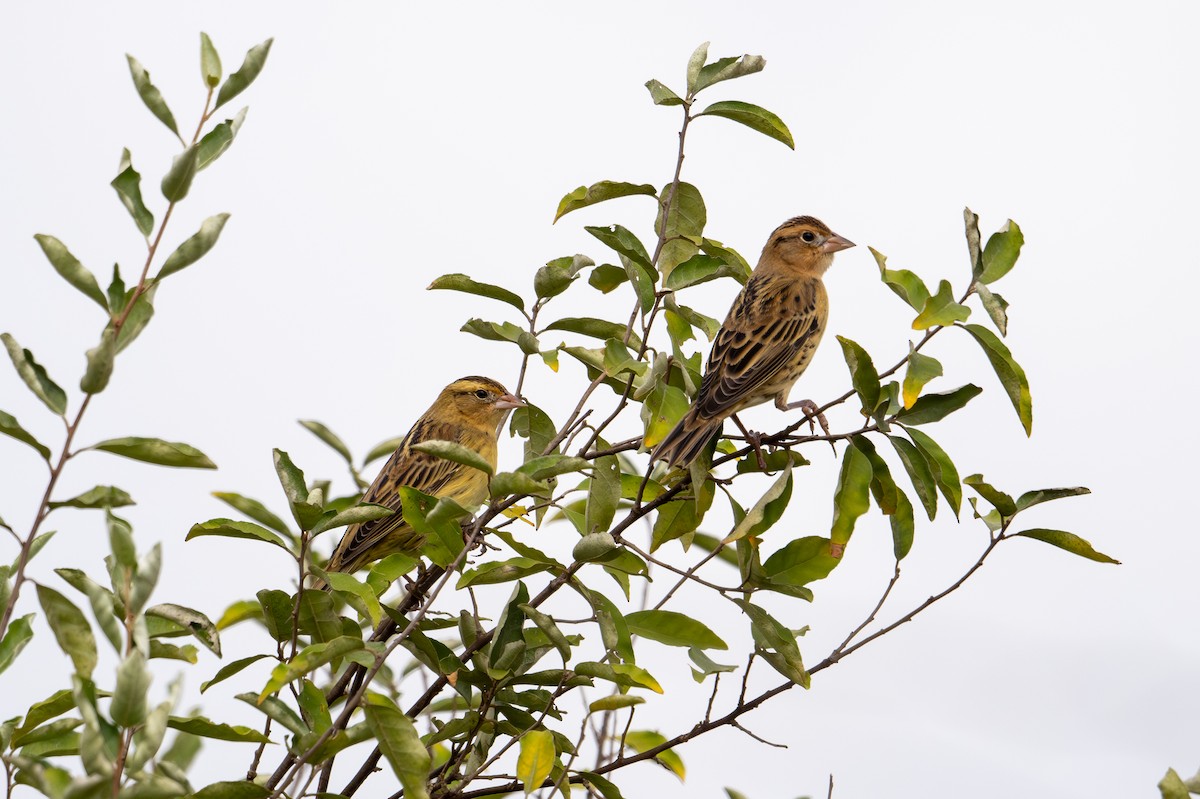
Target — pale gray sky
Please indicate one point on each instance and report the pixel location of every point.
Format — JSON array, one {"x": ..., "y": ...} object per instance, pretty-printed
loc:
[{"x": 387, "y": 144}]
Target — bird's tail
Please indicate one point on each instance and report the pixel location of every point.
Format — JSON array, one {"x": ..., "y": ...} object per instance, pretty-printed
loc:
[{"x": 687, "y": 439}]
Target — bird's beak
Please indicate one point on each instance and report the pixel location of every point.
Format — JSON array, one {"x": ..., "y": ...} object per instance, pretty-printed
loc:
[
  {"x": 835, "y": 243},
  {"x": 508, "y": 401}
]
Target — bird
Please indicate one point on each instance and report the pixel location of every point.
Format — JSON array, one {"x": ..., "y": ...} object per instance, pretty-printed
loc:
[
  {"x": 470, "y": 411},
  {"x": 766, "y": 341}
]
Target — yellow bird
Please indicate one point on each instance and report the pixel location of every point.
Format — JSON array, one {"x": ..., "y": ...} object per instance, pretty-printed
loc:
[
  {"x": 469, "y": 411},
  {"x": 766, "y": 341}
]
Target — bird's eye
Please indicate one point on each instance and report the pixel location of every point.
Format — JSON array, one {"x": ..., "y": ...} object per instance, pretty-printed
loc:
[
  {"x": 808, "y": 236},
  {"x": 481, "y": 393}
]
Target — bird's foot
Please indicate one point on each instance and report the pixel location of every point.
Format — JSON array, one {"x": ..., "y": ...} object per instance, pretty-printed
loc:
[
  {"x": 812, "y": 415},
  {"x": 754, "y": 439}
]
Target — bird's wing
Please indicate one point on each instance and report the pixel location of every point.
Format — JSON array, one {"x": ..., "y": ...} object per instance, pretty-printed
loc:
[
  {"x": 766, "y": 327},
  {"x": 427, "y": 473}
]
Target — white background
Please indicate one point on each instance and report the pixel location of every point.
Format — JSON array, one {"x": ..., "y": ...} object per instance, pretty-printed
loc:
[{"x": 389, "y": 143}]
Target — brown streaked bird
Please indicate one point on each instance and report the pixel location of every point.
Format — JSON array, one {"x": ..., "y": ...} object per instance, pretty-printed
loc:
[
  {"x": 766, "y": 340},
  {"x": 469, "y": 411}
]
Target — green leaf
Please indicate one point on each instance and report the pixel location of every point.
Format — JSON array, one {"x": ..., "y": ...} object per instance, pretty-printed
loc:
[
  {"x": 129, "y": 697},
  {"x": 308, "y": 660},
  {"x": 98, "y": 497},
  {"x": 546, "y": 624},
  {"x": 661, "y": 95},
  {"x": 1172, "y": 786},
  {"x": 161, "y": 649},
  {"x": 460, "y": 282},
  {"x": 139, "y": 316},
  {"x": 596, "y": 328},
  {"x": 383, "y": 448},
  {"x": 974, "y": 248},
  {"x": 195, "y": 247},
  {"x": 921, "y": 369},
  {"x": 600, "y": 785},
  {"x": 943, "y": 469},
  {"x": 214, "y": 143},
  {"x": 598, "y": 193},
  {"x": 623, "y": 242},
  {"x": 685, "y": 221},
  {"x": 195, "y": 622},
  {"x": 607, "y": 277},
  {"x": 728, "y": 69},
  {"x": 347, "y": 583},
  {"x": 230, "y": 669},
  {"x": 767, "y": 510},
  {"x": 277, "y": 609},
  {"x": 20, "y": 631},
  {"x": 604, "y": 491},
  {"x": 536, "y": 759},
  {"x": 1037, "y": 497},
  {"x": 317, "y": 617},
  {"x": 701, "y": 268},
  {"x": 996, "y": 307},
  {"x": 1012, "y": 376},
  {"x": 753, "y": 117},
  {"x": 919, "y": 472},
  {"x": 100, "y": 361},
  {"x": 102, "y": 602},
  {"x": 399, "y": 742},
  {"x": 556, "y": 276},
  {"x": 937, "y": 406},
  {"x": 494, "y": 572},
  {"x": 150, "y": 95},
  {"x": 116, "y": 289},
  {"x": 508, "y": 630},
  {"x": 229, "y": 528},
  {"x": 453, "y": 451},
  {"x": 615, "y": 702},
  {"x": 776, "y": 643},
  {"x": 232, "y": 789},
  {"x": 210, "y": 62},
  {"x": 1068, "y": 541},
  {"x": 941, "y": 309},
  {"x": 128, "y": 185},
  {"x": 802, "y": 561},
  {"x": 626, "y": 674},
  {"x": 178, "y": 180},
  {"x": 254, "y": 509},
  {"x": 1001, "y": 253},
  {"x": 503, "y": 331},
  {"x": 120, "y": 539},
  {"x": 314, "y": 707},
  {"x": 862, "y": 373},
  {"x": 355, "y": 514},
  {"x": 70, "y": 628},
  {"x": 10, "y": 427},
  {"x": 903, "y": 526},
  {"x": 594, "y": 546},
  {"x": 507, "y": 484},
  {"x": 998, "y": 499},
  {"x": 204, "y": 728},
  {"x": 54, "y": 705},
  {"x": 155, "y": 450},
  {"x": 695, "y": 64},
  {"x": 906, "y": 285},
  {"x": 851, "y": 498},
  {"x": 35, "y": 376},
  {"x": 235, "y": 84},
  {"x": 673, "y": 629}
]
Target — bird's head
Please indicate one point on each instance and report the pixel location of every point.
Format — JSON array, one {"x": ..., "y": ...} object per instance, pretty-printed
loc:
[
  {"x": 804, "y": 244},
  {"x": 478, "y": 401}
]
